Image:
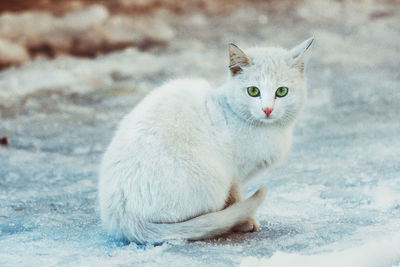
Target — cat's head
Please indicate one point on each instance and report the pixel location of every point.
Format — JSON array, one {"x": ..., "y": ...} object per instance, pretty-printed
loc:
[{"x": 267, "y": 85}]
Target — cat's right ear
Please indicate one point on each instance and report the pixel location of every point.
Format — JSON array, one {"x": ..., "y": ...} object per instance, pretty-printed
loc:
[
  {"x": 298, "y": 55},
  {"x": 237, "y": 59}
]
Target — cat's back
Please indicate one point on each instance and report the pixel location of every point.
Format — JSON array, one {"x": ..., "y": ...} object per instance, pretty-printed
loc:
[
  {"x": 171, "y": 98},
  {"x": 174, "y": 117},
  {"x": 178, "y": 102}
]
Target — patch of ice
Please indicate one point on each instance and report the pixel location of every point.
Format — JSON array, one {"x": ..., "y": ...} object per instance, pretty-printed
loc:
[
  {"x": 380, "y": 252},
  {"x": 383, "y": 196}
]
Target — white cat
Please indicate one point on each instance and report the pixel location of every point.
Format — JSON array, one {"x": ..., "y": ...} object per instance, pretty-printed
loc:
[{"x": 177, "y": 163}]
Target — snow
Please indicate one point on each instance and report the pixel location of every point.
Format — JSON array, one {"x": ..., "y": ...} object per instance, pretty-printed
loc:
[
  {"x": 334, "y": 202},
  {"x": 379, "y": 252}
]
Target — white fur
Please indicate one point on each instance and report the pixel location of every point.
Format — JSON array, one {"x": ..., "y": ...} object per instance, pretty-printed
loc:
[{"x": 174, "y": 160}]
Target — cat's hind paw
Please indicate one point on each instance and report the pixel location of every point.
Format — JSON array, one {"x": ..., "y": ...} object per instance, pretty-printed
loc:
[{"x": 250, "y": 225}]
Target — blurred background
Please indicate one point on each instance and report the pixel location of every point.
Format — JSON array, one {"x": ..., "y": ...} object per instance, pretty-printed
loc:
[
  {"x": 69, "y": 71},
  {"x": 88, "y": 28}
]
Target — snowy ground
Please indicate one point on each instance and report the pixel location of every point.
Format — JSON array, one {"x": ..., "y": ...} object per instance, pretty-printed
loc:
[{"x": 334, "y": 202}]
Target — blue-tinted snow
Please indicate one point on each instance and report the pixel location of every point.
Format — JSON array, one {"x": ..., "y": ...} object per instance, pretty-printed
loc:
[{"x": 338, "y": 191}]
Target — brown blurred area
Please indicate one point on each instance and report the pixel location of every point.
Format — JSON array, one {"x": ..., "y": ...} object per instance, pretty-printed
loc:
[
  {"x": 86, "y": 28},
  {"x": 60, "y": 7}
]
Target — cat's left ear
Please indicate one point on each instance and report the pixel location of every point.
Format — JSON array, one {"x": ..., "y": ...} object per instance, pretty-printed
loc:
[
  {"x": 237, "y": 59},
  {"x": 298, "y": 55}
]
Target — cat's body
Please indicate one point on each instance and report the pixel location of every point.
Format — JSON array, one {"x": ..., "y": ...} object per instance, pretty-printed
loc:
[{"x": 177, "y": 163}]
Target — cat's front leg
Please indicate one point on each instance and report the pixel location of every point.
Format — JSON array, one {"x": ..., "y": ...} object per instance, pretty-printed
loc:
[
  {"x": 251, "y": 224},
  {"x": 235, "y": 195}
]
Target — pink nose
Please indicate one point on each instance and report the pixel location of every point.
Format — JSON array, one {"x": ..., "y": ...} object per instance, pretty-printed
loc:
[{"x": 268, "y": 111}]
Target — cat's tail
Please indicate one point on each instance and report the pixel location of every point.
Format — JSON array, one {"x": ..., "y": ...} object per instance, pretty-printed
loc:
[{"x": 204, "y": 226}]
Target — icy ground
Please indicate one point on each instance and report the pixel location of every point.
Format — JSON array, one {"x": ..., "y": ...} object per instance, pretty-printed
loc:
[{"x": 334, "y": 202}]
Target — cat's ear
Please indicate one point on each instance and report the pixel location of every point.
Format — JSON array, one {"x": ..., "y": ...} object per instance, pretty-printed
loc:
[
  {"x": 237, "y": 59},
  {"x": 298, "y": 55}
]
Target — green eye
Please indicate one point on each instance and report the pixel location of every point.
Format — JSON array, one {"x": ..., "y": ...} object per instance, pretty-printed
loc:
[
  {"x": 281, "y": 91},
  {"x": 253, "y": 91}
]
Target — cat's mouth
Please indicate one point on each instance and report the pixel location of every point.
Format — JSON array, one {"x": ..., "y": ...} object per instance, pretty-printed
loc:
[
  {"x": 264, "y": 119},
  {"x": 272, "y": 118},
  {"x": 268, "y": 120}
]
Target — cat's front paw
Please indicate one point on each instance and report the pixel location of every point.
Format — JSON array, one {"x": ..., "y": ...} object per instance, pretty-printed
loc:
[{"x": 250, "y": 225}]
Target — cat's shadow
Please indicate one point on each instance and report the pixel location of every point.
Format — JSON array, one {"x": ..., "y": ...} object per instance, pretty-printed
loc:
[{"x": 264, "y": 233}]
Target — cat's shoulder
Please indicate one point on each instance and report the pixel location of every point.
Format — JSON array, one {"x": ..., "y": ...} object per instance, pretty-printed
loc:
[
  {"x": 178, "y": 92},
  {"x": 178, "y": 96}
]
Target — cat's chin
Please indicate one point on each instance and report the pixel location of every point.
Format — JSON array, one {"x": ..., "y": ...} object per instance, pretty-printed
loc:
[
  {"x": 268, "y": 120},
  {"x": 265, "y": 120}
]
